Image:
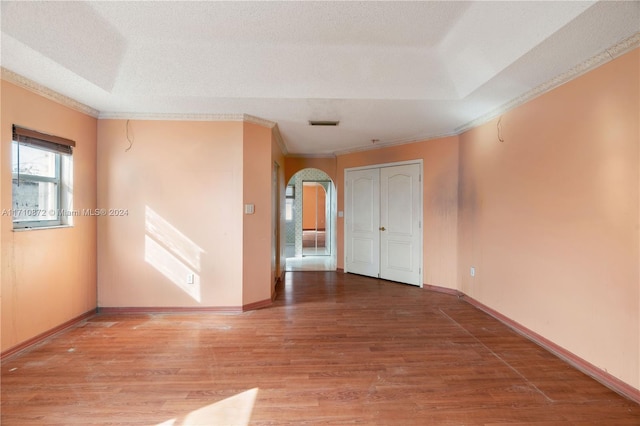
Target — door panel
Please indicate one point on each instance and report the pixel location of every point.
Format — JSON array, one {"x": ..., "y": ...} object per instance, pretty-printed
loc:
[
  {"x": 362, "y": 218},
  {"x": 400, "y": 238},
  {"x": 399, "y": 255},
  {"x": 363, "y": 251}
]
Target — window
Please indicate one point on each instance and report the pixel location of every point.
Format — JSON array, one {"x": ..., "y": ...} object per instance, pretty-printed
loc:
[
  {"x": 41, "y": 169},
  {"x": 290, "y": 195}
]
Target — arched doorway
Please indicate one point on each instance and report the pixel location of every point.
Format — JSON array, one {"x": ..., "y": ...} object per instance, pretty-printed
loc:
[
  {"x": 315, "y": 214},
  {"x": 310, "y": 221}
]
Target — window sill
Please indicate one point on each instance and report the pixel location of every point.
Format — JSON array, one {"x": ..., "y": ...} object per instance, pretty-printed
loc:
[{"x": 37, "y": 228}]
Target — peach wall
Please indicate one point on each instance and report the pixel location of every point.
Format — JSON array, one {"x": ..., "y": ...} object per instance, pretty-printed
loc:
[
  {"x": 549, "y": 217},
  {"x": 48, "y": 276},
  {"x": 326, "y": 164},
  {"x": 2, "y": 221},
  {"x": 279, "y": 258},
  {"x": 182, "y": 184},
  {"x": 440, "y": 189},
  {"x": 257, "y": 231}
]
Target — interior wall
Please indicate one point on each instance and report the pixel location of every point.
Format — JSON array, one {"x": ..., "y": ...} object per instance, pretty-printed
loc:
[
  {"x": 277, "y": 156},
  {"x": 182, "y": 185},
  {"x": 549, "y": 217},
  {"x": 48, "y": 275},
  {"x": 326, "y": 164},
  {"x": 440, "y": 201},
  {"x": 257, "y": 232}
]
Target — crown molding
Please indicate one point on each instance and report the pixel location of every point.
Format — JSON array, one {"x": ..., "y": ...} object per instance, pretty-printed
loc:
[
  {"x": 45, "y": 92},
  {"x": 595, "y": 61},
  {"x": 311, "y": 156},
  {"x": 246, "y": 118},
  {"x": 397, "y": 142},
  {"x": 169, "y": 116},
  {"x": 30, "y": 85},
  {"x": 280, "y": 140},
  {"x": 259, "y": 121}
]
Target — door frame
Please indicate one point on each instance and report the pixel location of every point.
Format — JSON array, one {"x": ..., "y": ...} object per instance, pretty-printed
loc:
[
  {"x": 327, "y": 211},
  {"x": 420, "y": 163},
  {"x": 276, "y": 241}
]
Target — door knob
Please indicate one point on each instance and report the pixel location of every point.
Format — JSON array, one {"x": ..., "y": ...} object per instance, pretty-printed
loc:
[{"x": 382, "y": 228}]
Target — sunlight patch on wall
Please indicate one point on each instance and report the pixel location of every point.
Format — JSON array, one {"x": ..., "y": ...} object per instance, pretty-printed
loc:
[
  {"x": 235, "y": 410},
  {"x": 171, "y": 238},
  {"x": 172, "y": 254}
]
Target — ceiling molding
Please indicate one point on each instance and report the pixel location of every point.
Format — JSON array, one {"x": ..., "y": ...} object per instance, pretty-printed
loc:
[
  {"x": 45, "y": 92},
  {"x": 406, "y": 141},
  {"x": 310, "y": 156},
  {"x": 38, "y": 89},
  {"x": 259, "y": 121},
  {"x": 280, "y": 140},
  {"x": 170, "y": 116},
  {"x": 601, "y": 58},
  {"x": 246, "y": 118}
]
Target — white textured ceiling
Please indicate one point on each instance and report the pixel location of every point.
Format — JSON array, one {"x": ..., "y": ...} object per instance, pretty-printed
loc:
[{"x": 391, "y": 71}]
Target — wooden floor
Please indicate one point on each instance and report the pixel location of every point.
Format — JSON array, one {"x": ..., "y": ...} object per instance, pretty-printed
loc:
[{"x": 334, "y": 349}]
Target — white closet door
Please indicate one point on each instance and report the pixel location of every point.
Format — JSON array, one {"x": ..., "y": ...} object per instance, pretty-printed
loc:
[
  {"x": 362, "y": 222},
  {"x": 400, "y": 238},
  {"x": 383, "y": 214}
]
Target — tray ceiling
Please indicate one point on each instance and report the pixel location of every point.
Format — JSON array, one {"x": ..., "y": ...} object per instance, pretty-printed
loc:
[{"x": 390, "y": 71}]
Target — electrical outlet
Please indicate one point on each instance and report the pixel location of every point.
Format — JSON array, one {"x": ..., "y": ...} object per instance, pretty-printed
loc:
[{"x": 472, "y": 271}]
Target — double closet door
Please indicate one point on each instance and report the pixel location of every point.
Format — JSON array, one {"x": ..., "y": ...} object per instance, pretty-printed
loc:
[{"x": 383, "y": 222}]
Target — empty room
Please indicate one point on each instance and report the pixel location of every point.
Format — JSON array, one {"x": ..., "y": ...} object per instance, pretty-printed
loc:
[{"x": 284, "y": 213}]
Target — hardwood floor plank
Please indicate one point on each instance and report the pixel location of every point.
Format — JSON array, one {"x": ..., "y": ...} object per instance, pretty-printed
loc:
[{"x": 334, "y": 349}]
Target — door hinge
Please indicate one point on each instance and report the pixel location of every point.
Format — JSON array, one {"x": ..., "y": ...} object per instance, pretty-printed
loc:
[{"x": 419, "y": 178}]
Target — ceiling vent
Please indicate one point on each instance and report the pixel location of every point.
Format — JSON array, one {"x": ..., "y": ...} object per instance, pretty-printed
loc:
[{"x": 323, "y": 123}]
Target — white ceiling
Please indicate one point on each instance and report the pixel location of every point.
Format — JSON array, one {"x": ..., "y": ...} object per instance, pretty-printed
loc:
[{"x": 391, "y": 71}]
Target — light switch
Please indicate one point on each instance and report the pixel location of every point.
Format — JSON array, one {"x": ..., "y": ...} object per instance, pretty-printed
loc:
[{"x": 249, "y": 208}]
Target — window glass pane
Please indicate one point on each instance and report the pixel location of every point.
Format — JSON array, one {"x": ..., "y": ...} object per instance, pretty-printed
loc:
[
  {"x": 33, "y": 161},
  {"x": 288, "y": 211},
  {"x": 35, "y": 200},
  {"x": 290, "y": 192}
]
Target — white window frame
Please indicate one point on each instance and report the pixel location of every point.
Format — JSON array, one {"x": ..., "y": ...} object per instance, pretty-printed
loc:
[{"x": 62, "y": 179}]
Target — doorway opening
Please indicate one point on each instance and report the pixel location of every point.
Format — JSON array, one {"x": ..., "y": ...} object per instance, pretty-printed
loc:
[
  {"x": 315, "y": 211},
  {"x": 310, "y": 221}
]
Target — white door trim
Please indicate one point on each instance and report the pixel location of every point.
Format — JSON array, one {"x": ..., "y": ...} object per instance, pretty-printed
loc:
[{"x": 379, "y": 166}]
